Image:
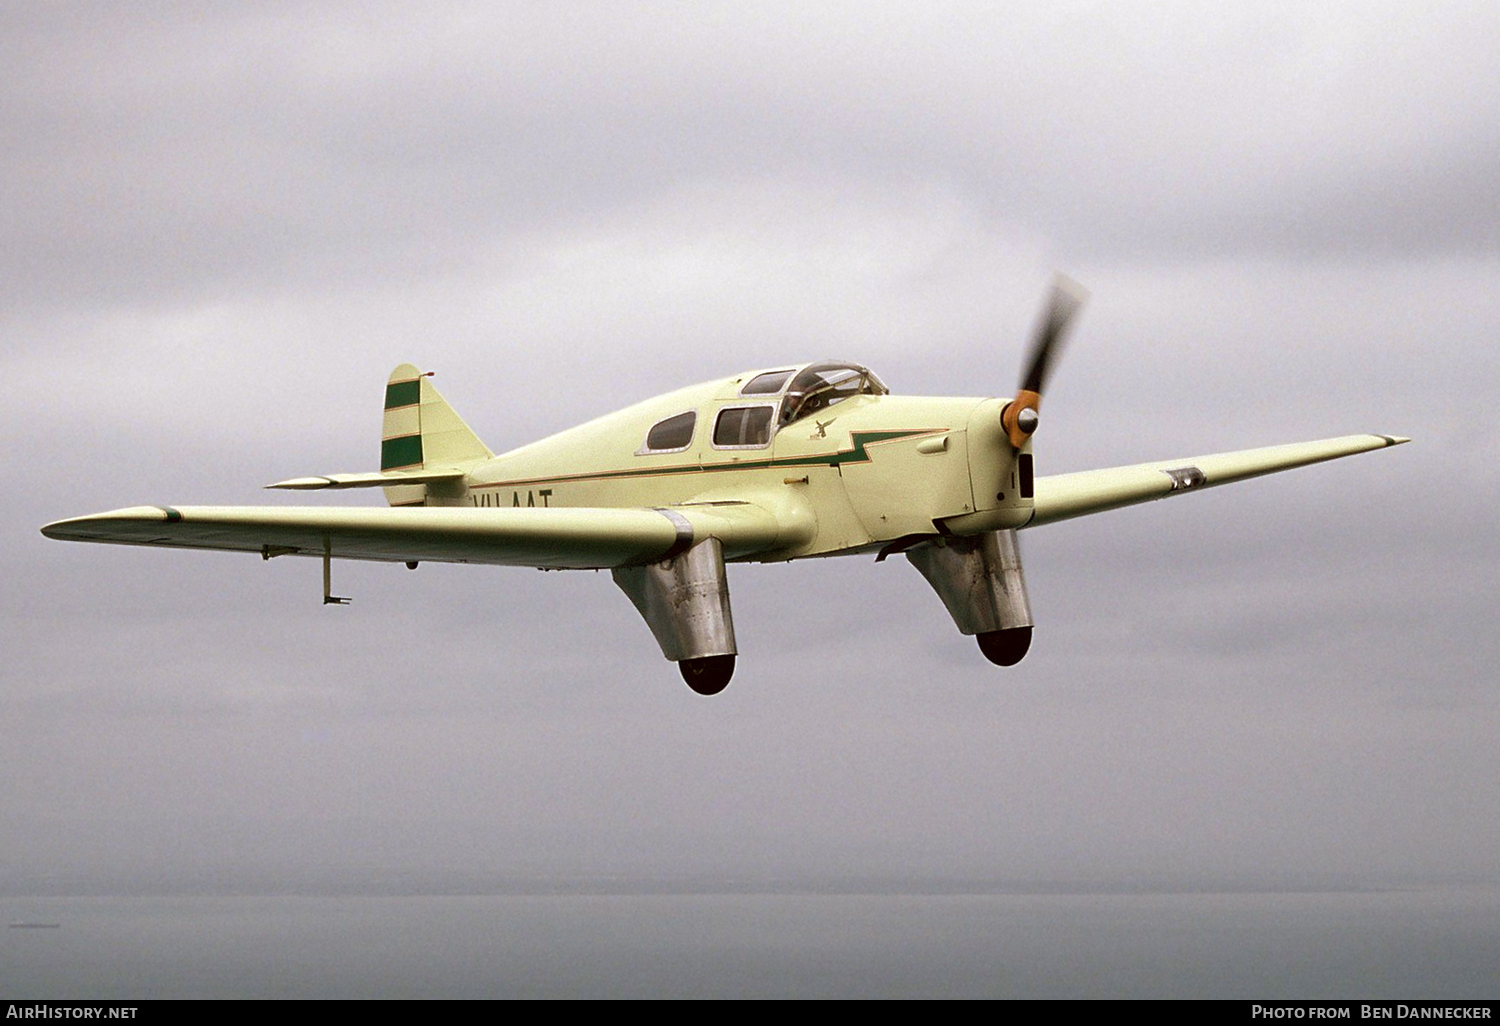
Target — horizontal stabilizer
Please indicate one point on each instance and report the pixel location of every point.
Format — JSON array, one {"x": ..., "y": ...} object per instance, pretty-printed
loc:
[
  {"x": 372, "y": 480},
  {"x": 1063, "y": 496},
  {"x": 550, "y": 538}
]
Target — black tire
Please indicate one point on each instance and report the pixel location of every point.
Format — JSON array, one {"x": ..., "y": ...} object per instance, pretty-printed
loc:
[
  {"x": 708, "y": 675},
  {"x": 1007, "y": 647}
]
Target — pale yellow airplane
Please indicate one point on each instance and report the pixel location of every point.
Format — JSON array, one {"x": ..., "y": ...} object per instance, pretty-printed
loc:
[{"x": 811, "y": 460}]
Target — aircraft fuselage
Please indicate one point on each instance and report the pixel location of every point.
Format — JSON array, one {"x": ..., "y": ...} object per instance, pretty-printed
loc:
[{"x": 863, "y": 473}]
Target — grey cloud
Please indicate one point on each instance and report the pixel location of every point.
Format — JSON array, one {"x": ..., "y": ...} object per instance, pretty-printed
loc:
[{"x": 164, "y": 150}]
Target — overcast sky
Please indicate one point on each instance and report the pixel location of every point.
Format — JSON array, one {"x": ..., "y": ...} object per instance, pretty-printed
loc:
[{"x": 223, "y": 224}]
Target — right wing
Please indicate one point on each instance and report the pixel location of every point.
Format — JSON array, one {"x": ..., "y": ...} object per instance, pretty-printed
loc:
[
  {"x": 1063, "y": 496},
  {"x": 550, "y": 538}
]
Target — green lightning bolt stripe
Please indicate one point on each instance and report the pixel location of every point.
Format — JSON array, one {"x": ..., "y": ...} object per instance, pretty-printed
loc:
[{"x": 855, "y": 454}]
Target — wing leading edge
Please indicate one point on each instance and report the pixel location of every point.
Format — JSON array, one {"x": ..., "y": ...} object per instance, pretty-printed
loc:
[
  {"x": 1063, "y": 496},
  {"x": 555, "y": 538}
]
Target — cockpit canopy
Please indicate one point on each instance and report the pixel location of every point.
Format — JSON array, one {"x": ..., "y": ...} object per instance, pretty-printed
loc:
[
  {"x": 820, "y": 385},
  {"x": 815, "y": 387},
  {"x": 767, "y": 402}
]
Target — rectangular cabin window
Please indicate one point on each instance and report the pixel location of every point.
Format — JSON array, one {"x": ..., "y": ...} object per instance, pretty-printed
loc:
[
  {"x": 743, "y": 426},
  {"x": 673, "y": 434}
]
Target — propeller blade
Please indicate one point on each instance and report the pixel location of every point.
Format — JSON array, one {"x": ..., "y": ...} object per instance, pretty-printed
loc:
[
  {"x": 1065, "y": 301},
  {"x": 1020, "y": 417}
]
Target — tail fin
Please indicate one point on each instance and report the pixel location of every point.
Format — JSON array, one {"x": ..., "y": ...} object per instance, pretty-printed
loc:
[{"x": 422, "y": 432}]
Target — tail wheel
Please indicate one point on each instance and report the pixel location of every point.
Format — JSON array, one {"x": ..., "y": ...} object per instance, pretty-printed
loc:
[
  {"x": 1007, "y": 647},
  {"x": 708, "y": 675}
]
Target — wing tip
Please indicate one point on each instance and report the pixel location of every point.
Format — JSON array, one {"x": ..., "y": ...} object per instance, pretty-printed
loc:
[{"x": 82, "y": 528}]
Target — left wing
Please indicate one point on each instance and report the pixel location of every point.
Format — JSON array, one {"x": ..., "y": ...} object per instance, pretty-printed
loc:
[
  {"x": 1063, "y": 496},
  {"x": 551, "y": 538}
]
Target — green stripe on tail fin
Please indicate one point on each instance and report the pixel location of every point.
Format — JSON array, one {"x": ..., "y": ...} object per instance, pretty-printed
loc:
[
  {"x": 402, "y": 393},
  {"x": 420, "y": 431}
]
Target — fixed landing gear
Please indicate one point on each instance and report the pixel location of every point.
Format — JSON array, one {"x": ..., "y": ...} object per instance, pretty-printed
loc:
[
  {"x": 1005, "y": 647},
  {"x": 979, "y": 579},
  {"x": 708, "y": 675},
  {"x": 685, "y": 602}
]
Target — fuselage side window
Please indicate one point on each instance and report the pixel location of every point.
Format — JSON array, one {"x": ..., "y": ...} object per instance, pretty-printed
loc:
[
  {"x": 768, "y": 383},
  {"x": 743, "y": 426},
  {"x": 672, "y": 434}
]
